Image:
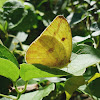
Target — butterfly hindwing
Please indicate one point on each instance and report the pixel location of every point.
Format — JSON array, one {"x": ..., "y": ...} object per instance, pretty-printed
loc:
[{"x": 53, "y": 47}]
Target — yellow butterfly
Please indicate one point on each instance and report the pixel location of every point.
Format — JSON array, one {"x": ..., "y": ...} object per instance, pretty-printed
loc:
[{"x": 53, "y": 47}]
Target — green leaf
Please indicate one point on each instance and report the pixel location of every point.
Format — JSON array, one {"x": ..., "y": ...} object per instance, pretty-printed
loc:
[
  {"x": 39, "y": 94},
  {"x": 11, "y": 97},
  {"x": 9, "y": 69},
  {"x": 3, "y": 24},
  {"x": 20, "y": 16},
  {"x": 93, "y": 88},
  {"x": 58, "y": 93},
  {"x": 5, "y": 53},
  {"x": 90, "y": 72},
  {"x": 4, "y": 98},
  {"x": 13, "y": 12},
  {"x": 1, "y": 3},
  {"x": 86, "y": 49},
  {"x": 76, "y": 18},
  {"x": 28, "y": 71},
  {"x": 80, "y": 62},
  {"x": 88, "y": 1},
  {"x": 21, "y": 82},
  {"x": 28, "y": 19},
  {"x": 72, "y": 84},
  {"x": 11, "y": 7},
  {"x": 80, "y": 39},
  {"x": 96, "y": 33},
  {"x": 1, "y": 27}
]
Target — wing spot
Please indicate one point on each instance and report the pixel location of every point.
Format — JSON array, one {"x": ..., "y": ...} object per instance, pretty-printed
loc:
[
  {"x": 63, "y": 39},
  {"x": 54, "y": 33},
  {"x": 51, "y": 50}
]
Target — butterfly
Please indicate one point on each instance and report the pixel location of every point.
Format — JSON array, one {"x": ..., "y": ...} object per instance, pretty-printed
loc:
[{"x": 53, "y": 47}]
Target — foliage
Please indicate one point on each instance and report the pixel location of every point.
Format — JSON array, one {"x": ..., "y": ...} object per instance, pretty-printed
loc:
[{"x": 21, "y": 22}]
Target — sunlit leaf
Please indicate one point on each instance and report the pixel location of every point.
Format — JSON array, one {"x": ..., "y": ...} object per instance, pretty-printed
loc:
[
  {"x": 5, "y": 53},
  {"x": 9, "y": 69},
  {"x": 28, "y": 71}
]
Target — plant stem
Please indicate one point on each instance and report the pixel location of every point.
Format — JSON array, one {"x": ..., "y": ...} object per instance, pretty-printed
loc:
[
  {"x": 24, "y": 88},
  {"x": 7, "y": 96},
  {"x": 18, "y": 96},
  {"x": 20, "y": 92}
]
